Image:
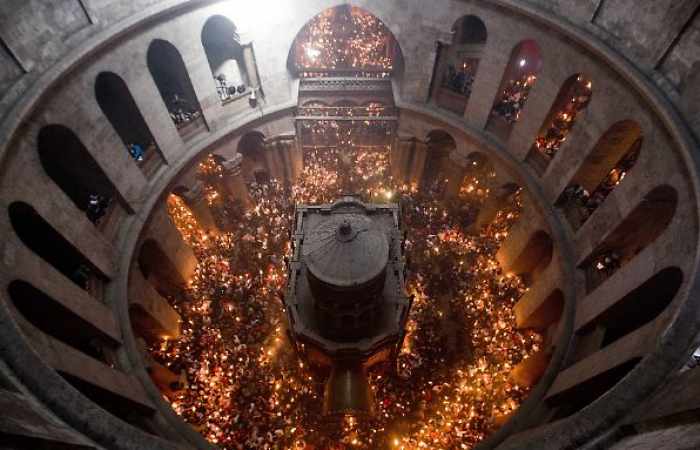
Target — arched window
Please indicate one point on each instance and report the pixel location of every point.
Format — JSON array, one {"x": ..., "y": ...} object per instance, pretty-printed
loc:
[
  {"x": 119, "y": 107},
  {"x": 639, "y": 229},
  {"x": 57, "y": 321},
  {"x": 613, "y": 156},
  {"x": 68, "y": 163},
  {"x": 225, "y": 55},
  {"x": 573, "y": 98},
  {"x": 82, "y": 354},
  {"x": 47, "y": 243},
  {"x": 519, "y": 77},
  {"x": 457, "y": 64},
  {"x": 344, "y": 41},
  {"x": 170, "y": 75},
  {"x": 639, "y": 307},
  {"x": 440, "y": 145},
  {"x": 254, "y": 164},
  {"x": 579, "y": 396}
]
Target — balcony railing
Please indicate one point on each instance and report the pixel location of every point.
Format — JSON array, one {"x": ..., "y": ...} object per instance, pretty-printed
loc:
[{"x": 347, "y": 112}]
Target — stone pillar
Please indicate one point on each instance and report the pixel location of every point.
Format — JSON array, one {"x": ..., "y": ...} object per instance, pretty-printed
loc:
[
  {"x": 456, "y": 171},
  {"x": 529, "y": 371},
  {"x": 589, "y": 342},
  {"x": 125, "y": 388},
  {"x": 273, "y": 161},
  {"x": 487, "y": 212},
  {"x": 284, "y": 148},
  {"x": 498, "y": 199},
  {"x": 395, "y": 161},
  {"x": 234, "y": 182},
  {"x": 168, "y": 382},
  {"x": 251, "y": 67},
  {"x": 515, "y": 246},
  {"x": 195, "y": 198},
  {"x": 404, "y": 151},
  {"x": 151, "y": 315},
  {"x": 173, "y": 261},
  {"x": 297, "y": 157},
  {"x": 420, "y": 154}
]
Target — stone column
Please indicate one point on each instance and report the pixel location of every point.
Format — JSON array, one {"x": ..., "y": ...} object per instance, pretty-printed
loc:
[
  {"x": 285, "y": 146},
  {"x": 515, "y": 246},
  {"x": 498, "y": 199},
  {"x": 420, "y": 154},
  {"x": 168, "y": 382},
  {"x": 151, "y": 314},
  {"x": 395, "y": 160},
  {"x": 251, "y": 67},
  {"x": 456, "y": 171},
  {"x": 297, "y": 157},
  {"x": 175, "y": 261},
  {"x": 234, "y": 182},
  {"x": 529, "y": 371},
  {"x": 404, "y": 152},
  {"x": 195, "y": 198},
  {"x": 273, "y": 160}
]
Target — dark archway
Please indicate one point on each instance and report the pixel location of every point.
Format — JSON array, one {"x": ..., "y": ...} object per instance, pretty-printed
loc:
[
  {"x": 254, "y": 165},
  {"x": 518, "y": 78},
  {"x": 573, "y": 400},
  {"x": 606, "y": 166},
  {"x": 118, "y": 105},
  {"x": 225, "y": 56},
  {"x": 457, "y": 63},
  {"x": 573, "y": 98},
  {"x": 173, "y": 82},
  {"x": 362, "y": 46},
  {"x": 68, "y": 163},
  {"x": 439, "y": 146},
  {"x": 640, "y": 306},
  {"x": 47, "y": 243},
  {"x": 54, "y": 319},
  {"x": 641, "y": 227}
]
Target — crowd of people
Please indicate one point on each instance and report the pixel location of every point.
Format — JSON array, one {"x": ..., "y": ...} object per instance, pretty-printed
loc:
[
  {"x": 181, "y": 111},
  {"x": 577, "y": 99},
  {"x": 347, "y": 38},
  {"x": 461, "y": 79},
  {"x": 512, "y": 100},
  {"x": 246, "y": 388},
  {"x": 579, "y": 204}
]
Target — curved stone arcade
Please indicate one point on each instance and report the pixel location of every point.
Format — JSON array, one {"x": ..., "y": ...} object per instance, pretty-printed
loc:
[{"x": 543, "y": 155}]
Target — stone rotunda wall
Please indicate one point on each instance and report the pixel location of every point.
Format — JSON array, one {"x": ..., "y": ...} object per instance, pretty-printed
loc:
[{"x": 612, "y": 380}]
